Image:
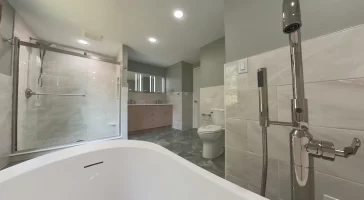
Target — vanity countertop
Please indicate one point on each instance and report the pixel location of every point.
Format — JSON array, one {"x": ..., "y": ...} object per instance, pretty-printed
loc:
[{"x": 149, "y": 104}]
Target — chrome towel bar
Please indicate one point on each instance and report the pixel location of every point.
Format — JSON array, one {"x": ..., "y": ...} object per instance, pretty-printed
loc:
[{"x": 29, "y": 93}]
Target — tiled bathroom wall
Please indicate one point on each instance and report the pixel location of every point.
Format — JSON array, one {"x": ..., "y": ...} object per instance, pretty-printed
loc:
[
  {"x": 175, "y": 98},
  {"x": 5, "y": 118},
  {"x": 51, "y": 120},
  {"x": 210, "y": 97},
  {"x": 6, "y": 31},
  {"x": 333, "y": 70},
  {"x": 147, "y": 98},
  {"x": 182, "y": 109},
  {"x": 187, "y": 110}
]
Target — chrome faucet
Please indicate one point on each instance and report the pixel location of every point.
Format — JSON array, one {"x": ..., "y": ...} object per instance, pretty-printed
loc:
[{"x": 303, "y": 147}]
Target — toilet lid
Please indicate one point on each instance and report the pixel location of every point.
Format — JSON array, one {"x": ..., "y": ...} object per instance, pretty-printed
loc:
[{"x": 210, "y": 128}]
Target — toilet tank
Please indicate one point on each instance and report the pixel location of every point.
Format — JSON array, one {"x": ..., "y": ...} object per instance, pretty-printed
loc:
[{"x": 218, "y": 117}]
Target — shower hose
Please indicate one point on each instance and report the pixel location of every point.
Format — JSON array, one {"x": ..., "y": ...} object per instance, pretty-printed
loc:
[{"x": 265, "y": 162}]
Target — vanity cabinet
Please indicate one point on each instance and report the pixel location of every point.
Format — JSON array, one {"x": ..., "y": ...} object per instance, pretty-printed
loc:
[{"x": 143, "y": 117}]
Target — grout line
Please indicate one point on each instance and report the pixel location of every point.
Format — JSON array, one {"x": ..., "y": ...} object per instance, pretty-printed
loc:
[
  {"x": 247, "y": 151},
  {"x": 308, "y": 82},
  {"x": 347, "y": 129},
  {"x": 342, "y": 179},
  {"x": 317, "y": 126}
]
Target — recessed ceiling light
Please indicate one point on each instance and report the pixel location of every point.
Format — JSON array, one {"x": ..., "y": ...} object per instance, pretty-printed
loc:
[
  {"x": 83, "y": 42},
  {"x": 152, "y": 40},
  {"x": 178, "y": 14}
]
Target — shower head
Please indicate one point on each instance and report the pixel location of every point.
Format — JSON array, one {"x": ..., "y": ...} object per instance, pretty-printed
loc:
[{"x": 291, "y": 14}]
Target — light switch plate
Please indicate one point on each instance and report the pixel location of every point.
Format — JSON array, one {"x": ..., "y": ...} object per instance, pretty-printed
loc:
[
  {"x": 327, "y": 197},
  {"x": 242, "y": 66}
]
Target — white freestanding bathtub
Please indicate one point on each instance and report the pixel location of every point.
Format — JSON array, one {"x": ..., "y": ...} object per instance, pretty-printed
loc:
[{"x": 115, "y": 170}]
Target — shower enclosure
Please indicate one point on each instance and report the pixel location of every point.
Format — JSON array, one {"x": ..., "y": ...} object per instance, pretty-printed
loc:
[{"x": 62, "y": 97}]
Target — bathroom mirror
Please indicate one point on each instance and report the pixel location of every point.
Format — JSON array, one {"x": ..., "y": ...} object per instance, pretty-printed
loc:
[{"x": 138, "y": 82}]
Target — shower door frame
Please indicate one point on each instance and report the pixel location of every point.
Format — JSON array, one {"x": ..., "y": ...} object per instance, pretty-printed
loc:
[{"x": 16, "y": 43}]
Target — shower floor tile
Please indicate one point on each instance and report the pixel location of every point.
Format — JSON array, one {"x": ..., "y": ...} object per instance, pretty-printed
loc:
[{"x": 186, "y": 144}]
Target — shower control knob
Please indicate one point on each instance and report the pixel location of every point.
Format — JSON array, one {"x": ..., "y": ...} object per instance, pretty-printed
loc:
[
  {"x": 327, "y": 149},
  {"x": 321, "y": 148},
  {"x": 350, "y": 150}
]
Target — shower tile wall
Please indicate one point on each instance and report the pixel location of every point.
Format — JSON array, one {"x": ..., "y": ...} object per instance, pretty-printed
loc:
[
  {"x": 5, "y": 118},
  {"x": 333, "y": 68},
  {"x": 182, "y": 109},
  {"x": 49, "y": 120},
  {"x": 7, "y": 21},
  {"x": 63, "y": 120},
  {"x": 175, "y": 98}
]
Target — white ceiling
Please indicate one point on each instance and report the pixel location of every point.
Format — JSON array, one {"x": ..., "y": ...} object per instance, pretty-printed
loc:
[{"x": 128, "y": 22}]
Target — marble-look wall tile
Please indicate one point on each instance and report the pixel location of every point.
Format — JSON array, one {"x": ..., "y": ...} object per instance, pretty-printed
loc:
[
  {"x": 5, "y": 84},
  {"x": 284, "y": 181},
  {"x": 341, "y": 51},
  {"x": 176, "y": 100},
  {"x": 253, "y": 170},
  {"x": 210, "y": 97},
  {"x": 5, "y": 118},
  {"x": 236, "y": 133},
  {"x": 247, "y": 104},
  {"x": 232, "y": 104},
  {"x": 247, "y": 167},
  {"x": 5, "y": 137},
  {"x": 236, "y": 163},
  {"x": 256, "y": 190},
  {"x": 331, "y": 104},
  {"x": 339, "y": 167},
  {"x": 244, "y": 104},
  {"x": 237, "y": 181},
  {"x": 338, "y": 188},
  {"x": 187, "y": 111},
  {"x": 278, "y": 140},
  {"x": 234, "y": 80},
  {"x": 278, "y": 66}
]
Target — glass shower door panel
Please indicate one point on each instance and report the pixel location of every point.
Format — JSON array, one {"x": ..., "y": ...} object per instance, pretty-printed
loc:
[{"x": 74, "y": 101}]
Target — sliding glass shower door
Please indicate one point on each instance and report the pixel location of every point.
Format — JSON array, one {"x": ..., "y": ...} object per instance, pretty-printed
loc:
[{"x": 64, "y": 99}]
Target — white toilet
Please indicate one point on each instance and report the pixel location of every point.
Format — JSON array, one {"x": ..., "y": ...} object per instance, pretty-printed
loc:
[{"x": 212, "y": 136}]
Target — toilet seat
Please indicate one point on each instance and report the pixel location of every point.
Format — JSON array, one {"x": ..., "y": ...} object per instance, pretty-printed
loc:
[{"x": 209, "y": 129}]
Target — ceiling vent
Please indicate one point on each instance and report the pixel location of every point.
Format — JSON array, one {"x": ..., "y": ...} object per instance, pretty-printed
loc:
[{"x": 92, "y": 36}]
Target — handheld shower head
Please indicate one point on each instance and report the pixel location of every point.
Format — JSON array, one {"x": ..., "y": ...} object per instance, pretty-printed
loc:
[{"x": 291, "y": 16}]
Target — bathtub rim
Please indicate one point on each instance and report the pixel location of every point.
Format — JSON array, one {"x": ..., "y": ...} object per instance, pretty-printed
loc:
[{"x": 30, "y": 165}]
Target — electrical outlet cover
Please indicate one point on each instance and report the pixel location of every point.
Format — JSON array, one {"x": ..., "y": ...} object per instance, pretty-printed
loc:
[{"x": 242, "y": 66}]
